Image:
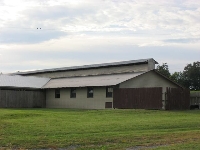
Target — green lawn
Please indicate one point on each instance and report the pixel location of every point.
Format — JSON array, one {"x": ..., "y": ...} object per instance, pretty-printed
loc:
[{"x": 99, "y": 129}]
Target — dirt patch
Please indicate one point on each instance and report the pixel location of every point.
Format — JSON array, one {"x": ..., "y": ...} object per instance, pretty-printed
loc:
[{"x": 146, "y": 147}]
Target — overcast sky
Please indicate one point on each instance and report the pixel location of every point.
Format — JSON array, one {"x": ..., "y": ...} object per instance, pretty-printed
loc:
[{"x": 41, "y": 34}]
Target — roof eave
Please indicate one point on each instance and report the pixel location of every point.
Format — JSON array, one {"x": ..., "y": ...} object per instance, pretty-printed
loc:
[
  {"x": 15, "y": 87},
  {"x": 85, "y": 67}
]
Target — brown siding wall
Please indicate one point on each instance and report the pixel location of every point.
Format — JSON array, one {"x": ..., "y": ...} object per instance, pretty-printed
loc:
[
  {"x": 177, "y": 99},
  {"x": 137, "y": 98},
  {"x": 22, "y": 99}
]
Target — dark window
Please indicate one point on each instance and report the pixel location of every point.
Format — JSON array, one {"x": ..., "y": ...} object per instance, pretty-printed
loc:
[
  {"x": 57, "y": 93},
  {"x": 90, "y": 92},
  {"x": 109, "y": 91},
  {"x": 73, "y": 93}
]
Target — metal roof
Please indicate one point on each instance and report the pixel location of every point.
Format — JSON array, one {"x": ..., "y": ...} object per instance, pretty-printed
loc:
[
  {"x": 22, "y": 81},
  {"x": 88, "y": 66},
  {"x": 99, "y": 80}
]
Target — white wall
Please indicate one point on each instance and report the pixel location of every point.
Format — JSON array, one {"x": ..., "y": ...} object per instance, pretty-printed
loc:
[
  {"x": 149, "y": 79},
  {"x": 151, "y": 64},
  {"x": 81, "y": 101}
]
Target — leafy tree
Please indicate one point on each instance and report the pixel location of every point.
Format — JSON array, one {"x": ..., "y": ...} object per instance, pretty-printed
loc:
[
  {"x": 191, "y": 76},
  {"x": 178, "y": 78},
  {"x": 163, "y": 69}
]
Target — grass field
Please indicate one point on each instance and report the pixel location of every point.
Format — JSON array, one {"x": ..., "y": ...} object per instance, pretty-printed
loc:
[{"x": 99, "y": 129}]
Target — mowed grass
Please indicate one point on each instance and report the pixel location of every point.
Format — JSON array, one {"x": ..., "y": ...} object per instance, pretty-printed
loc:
[{"x": 99, "y": 129}]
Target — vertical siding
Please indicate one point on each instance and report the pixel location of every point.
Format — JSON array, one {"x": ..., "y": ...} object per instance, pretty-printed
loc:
[
  {"x": 177, "y": 99},
  {"x": 195, "y": 98},
  {"x": 137, "y": 98},
  {"x": 22, "y": 99}
]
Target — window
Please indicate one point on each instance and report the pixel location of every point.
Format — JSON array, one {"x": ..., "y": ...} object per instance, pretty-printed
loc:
[
  {"x": 73, "y": 93},
  {"x": 109, "y": 91},
  {"x": 90, "y": 92},
  {"x": 57, "y": 93}
]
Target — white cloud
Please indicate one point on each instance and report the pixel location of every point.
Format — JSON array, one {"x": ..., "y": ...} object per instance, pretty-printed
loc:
[
  {"x": 72, "y": 31},
  {"x": 105, "y": 17}
]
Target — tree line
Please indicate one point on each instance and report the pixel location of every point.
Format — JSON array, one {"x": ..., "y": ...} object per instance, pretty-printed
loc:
[{"x": 189, "y": 77}]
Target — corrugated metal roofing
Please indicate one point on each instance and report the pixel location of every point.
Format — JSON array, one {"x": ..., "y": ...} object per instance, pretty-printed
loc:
[
  {"x": 22, "y": 81},
  {"x": 100, "y": 80},
  {"x": 88, "y": 66}
]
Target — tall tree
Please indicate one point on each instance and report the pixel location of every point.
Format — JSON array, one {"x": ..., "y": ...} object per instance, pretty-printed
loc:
[
  {"x": 163, "y": 69},
  {"x": 178, "y": 78},
  {"x": 191, "y": 75}
]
